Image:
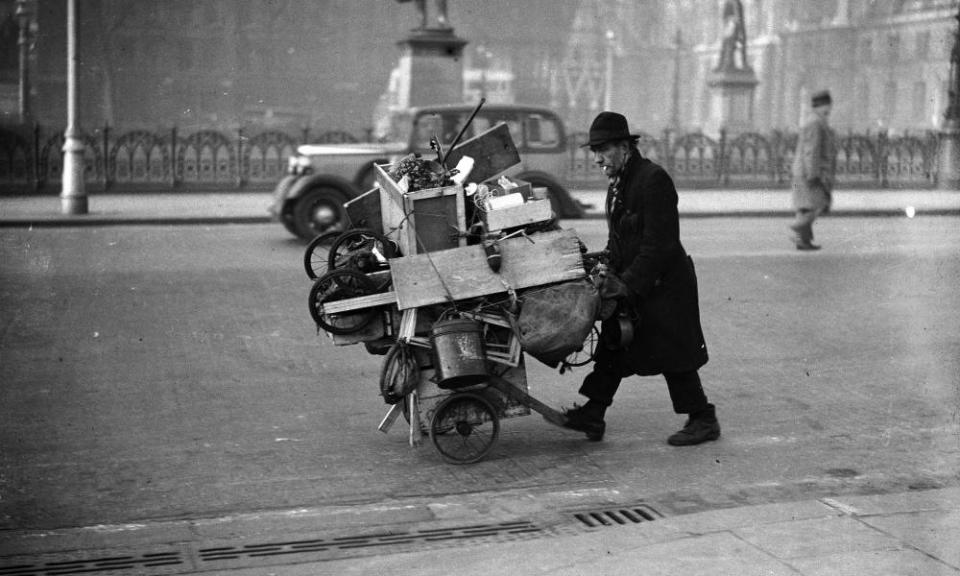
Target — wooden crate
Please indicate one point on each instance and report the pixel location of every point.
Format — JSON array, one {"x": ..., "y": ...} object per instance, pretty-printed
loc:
[
  {"x": 462, "y": 273},
  {"x": 421, "y": 221},
  {"x": 531, "y": 212}
]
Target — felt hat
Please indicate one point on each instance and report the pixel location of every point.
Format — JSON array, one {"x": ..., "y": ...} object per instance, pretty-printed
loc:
[
  {"x": 821, "y": 98},
  {"x": 608, "y": 126}
]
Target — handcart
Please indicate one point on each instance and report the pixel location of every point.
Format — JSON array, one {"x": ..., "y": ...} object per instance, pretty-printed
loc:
[{"x": 434, "y": 283}]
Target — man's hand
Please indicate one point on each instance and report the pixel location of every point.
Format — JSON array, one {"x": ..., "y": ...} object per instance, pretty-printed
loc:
[{"x": 613, "y": 288}]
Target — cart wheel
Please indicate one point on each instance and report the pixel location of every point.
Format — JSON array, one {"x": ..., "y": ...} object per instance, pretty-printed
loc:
[
  {"x": 464, "y": 427},
  {"x": 316, "y": 258},
  {"x": 399, "y": 375},
  {"x": 585, "y": 355},
  {"x": 361, "y": 249},
  {"x": 338, "y": 285}
]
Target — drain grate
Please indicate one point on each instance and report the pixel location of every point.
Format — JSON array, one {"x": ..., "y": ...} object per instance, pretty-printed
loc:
[
  {"x": 618, "y": 516},
  {"x": 367, "y": 541},
  {"x": 151, "y": 561}
]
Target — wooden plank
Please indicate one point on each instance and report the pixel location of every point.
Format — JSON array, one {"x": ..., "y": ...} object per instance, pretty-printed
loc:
[
  {"x": 461, "y": 273},
  {"x": 493, "y": 152},
  {"x": 359, "y": 303}
]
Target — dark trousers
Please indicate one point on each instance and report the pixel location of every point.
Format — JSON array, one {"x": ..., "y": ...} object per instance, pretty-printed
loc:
[{"x": 600, "y": 386}]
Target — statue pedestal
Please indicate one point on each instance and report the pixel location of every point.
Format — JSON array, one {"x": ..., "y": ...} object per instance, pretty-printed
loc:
[
  {"x": 948, "y": 176},
  {"x": 731, "y": 100},
  {"x": 430, "y": 68}
]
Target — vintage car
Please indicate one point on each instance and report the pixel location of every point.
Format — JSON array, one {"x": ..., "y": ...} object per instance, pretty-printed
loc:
[{"x": 321, "y": 178}]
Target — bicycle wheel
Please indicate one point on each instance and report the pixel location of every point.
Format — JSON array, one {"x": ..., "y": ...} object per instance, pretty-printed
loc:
[
  {"x": 339, "y": 285},
  {"x": 316, "y": 258},
  {"x": 361, "y": 249},
  {"x": 464, "y": 427},
  {"x": 586, "y": 354}
]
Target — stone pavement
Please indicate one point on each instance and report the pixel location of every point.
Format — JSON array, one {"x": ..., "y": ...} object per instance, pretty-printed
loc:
[
  {"x": 251, "y": 207},
  {"x": 906, "y": 531},
  {"x": 912, "y": 532}
]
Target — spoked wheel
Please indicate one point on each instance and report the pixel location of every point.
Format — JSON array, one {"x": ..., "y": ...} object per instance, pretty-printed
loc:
[
  {"x": 399, "y": 375},
  {"x": 586, "y": 354},
  {"x": 464, "y": 427},
  {"x": 316, "y": 258},
  {"x": 339, "y": 285},
  {"x": 361, "y": 249}
]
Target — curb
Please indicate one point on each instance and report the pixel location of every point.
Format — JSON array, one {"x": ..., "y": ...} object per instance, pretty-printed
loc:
[{"x": 82, "y": 222}]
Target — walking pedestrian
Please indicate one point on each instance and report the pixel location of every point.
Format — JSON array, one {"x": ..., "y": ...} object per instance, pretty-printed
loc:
[
  {"x": 652, "y": 282},
  {"x": 814, "y": 170}
]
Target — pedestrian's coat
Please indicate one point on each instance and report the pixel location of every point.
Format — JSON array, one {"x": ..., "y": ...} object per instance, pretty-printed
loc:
[{"x": 814, "y": 166}]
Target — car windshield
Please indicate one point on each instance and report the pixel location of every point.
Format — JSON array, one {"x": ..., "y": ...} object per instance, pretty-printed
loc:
[{"x": 395, "y": 127}]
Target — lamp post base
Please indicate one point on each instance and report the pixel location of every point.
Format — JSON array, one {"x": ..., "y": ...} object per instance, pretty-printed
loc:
[
  {"x": 74, "y": 205},
  {"x": 73, "y": 196},
  {"x": 949, "y": 173}
]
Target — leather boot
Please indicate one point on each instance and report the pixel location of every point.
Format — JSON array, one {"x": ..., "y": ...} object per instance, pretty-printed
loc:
[
  {"x": 588, "y": 419},
  {"x": 701, "y": 427}
]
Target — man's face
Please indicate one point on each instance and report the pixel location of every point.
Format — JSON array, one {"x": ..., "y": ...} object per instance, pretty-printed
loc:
[
  {"x": 823, "y": 111},
  {"x": 610, "y": 156}
]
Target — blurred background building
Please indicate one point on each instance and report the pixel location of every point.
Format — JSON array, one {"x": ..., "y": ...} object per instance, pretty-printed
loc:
[{"x": 327, "y": 64}]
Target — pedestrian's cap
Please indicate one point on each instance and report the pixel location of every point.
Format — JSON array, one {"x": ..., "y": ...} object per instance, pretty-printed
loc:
[
  {"x": 608, "y": 126},
  {"x": 821, "y": 98}
]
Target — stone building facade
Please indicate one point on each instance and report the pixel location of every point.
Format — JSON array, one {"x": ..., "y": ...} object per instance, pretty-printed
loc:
[{"x": 326, "y": 64}]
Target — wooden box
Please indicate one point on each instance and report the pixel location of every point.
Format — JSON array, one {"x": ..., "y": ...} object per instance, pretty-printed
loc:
[
  {"x": 421, "y": 221},
  {"x": 530, "y": 212}
]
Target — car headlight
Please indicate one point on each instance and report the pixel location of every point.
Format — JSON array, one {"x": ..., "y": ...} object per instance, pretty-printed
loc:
[{"x": 298, "y": 165}]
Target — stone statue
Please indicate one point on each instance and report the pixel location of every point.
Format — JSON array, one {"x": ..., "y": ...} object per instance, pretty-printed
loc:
[
  {"x": 442, "y": 20},
  {"x": 733, "y": 50}
]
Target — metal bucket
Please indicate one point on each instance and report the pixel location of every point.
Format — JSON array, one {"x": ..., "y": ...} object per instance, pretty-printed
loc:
[{"x": 458, "y": 350}]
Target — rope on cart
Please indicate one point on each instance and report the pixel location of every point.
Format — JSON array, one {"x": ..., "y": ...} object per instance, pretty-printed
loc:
[{"x": 446, "y": 289}]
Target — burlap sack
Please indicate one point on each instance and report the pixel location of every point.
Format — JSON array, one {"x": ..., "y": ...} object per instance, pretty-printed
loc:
[{"x": 554, "y": 321}]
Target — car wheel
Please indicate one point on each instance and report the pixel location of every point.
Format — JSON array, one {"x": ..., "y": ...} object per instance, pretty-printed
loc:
[{"x": 319, "y": 210}]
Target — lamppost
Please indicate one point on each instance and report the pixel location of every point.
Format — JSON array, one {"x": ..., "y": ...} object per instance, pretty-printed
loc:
[
  {"x": 608, "y": 73},
  {"x": 950, "y": 136},
  {"x": 23, "y": 43},
  {"x": 73, "y": 196},
  {"x": 675, "y": 93}
]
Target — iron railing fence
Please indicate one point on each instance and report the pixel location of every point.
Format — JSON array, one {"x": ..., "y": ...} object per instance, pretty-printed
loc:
[
  {"x": 31, "y": 159},
  {"x": 754, "y": 160}
]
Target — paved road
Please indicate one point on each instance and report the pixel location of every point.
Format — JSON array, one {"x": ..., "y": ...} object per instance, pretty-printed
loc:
[{"x": 162, "y": 373}]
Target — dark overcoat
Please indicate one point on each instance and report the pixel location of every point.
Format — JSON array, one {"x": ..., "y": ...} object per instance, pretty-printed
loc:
[{"x": 646, "y": 253}]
